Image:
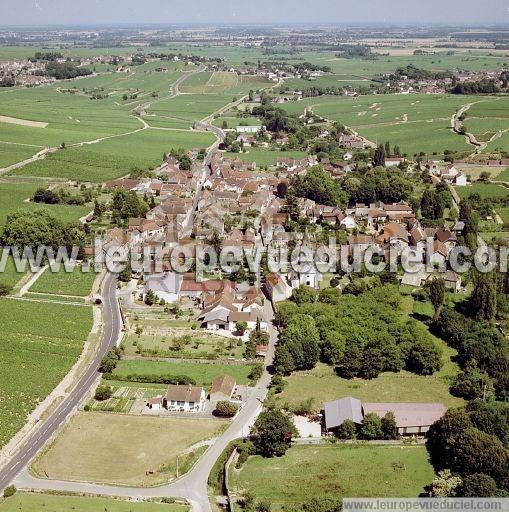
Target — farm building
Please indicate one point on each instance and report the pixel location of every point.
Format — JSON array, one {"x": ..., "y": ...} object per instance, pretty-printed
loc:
[
  {"x": 411, "y": 418},
  {"x": 222, "y": 388}
]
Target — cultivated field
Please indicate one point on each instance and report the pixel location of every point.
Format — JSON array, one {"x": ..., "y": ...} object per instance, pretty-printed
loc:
[
  {"x": 39, "y": 345},
  {"x": 335, "y": 471},
  {"x": 416, "y": 122},
  {"x": 55, "y": 503},
  {"x": 115, "y": 157},
  {"x": 123, "y": 450},
  {"x": 76, "y": 283}
]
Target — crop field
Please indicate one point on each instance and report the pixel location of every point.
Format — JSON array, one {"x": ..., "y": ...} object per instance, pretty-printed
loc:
[
  {"x": 13, "y": 197},
  {"x": 40, "y": 343},
  {"x": 13, "y": 153},
  {"x": 59, "y": 503},
  {"x": 123, "y": 398},
  {"x": 414, "y": 122},
  {"x": 115, "y": 157},
  {"x": 222, "y": 82},
  {"x": 189, "y": 107},
  {"x": 334, "y": 471},
  {"x": 122, "y": 450},
  {"x": 9, "y": 276},
  {"x": 202, "y": 373},
  {"x": 76, "y": 283},
  {"x": 485, "y": 190}
]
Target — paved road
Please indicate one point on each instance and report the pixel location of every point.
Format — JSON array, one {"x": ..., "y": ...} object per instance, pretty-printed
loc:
[
  {"x": 46, "y": 430},
  {"x": 193, "y": 485}
]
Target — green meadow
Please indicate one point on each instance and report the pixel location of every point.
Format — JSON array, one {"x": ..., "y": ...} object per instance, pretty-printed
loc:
[{"x": 334, "y": 471}]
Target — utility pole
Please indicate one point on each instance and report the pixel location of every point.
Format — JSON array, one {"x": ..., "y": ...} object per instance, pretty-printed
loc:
[{"x": 177, "y": 466}]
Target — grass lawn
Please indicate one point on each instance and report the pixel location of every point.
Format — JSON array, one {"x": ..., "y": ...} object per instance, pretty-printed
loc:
[
  {"x": 76, "y": 283},
  {"x": 323, "y": 385},
  {"x": 52, "y": 503},
  {"x": 335, "y": 471},
  {"x": 40, "y": 342},
  {"x": 265, "y": 157},
  {"x": 203, "y": 373},
  {"x": 485, "y": 190},
  {"x": 14, "y": 194},
  {"x": 120, "y": 449},
  {"x": 504, "y": 175}
]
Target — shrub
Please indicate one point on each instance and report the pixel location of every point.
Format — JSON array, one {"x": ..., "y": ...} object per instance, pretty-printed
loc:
[
  {"x": 346, "y": 430},
  {"x": 103, "y": 392},
  {"x": 9, "y": 491},
  {"x": 256, "y": 372},
  {"x": 225, "y": 409}
]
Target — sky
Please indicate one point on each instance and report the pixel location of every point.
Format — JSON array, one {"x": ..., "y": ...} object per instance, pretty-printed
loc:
[{"x": 91, "y": 12}]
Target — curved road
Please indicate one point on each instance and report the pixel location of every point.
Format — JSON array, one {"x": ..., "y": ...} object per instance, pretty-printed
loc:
[
  {"x": 113, "y": 324},
  {"x": 193, "y": 485}
]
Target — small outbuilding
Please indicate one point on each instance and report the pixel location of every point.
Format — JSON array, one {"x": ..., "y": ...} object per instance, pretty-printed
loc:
[{"x": 222, "y": 388}]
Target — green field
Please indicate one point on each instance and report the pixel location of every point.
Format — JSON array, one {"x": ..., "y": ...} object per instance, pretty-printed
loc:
[
  {"x": 485, "y": 190},
  {"x": 13, "y": 196},
  {"x": 265, "y": 157},
  {"x": 322, "y": 385},
  {"x": 415, "y": 122},
  {"x": 76, "y": 283},
  {"x": 115, "y": 157},
  {"x": 335, "y": 472},
  {"x": 203, "y": 373},
  {"x": 53, "y": 503},
  {"x": 40, "y": 343},
  {"x": 9, "y": 276},
  {"x": 234, "y": 122}
]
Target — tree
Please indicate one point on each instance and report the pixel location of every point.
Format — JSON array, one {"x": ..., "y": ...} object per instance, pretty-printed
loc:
[
  {"x": 109, "y": 361},
  {"x": 484, "y": 297},
  {"x": 472, "y": 384},
  {"x": 250, "y": 349},
  {"x": 103, "y": 393},
  {"x": 477, "y": 452},
  {"x": 283, "y": 361},
  {"x": 371, "y": 427},
  {"x": 379, "y": 157},
  {"x": 225, "y": 409},
  {"x": 424, "y": 357},
  {"x": 436, "y": 292},
  {"x": 347, "y": 430},
  {"x": 150, "y": 298},
  {"x": 303, "y": 295},
  {"x": 241, "y": 327},
  {"x": 272, "y": 433},
  {"x": 477, "y": 485},
  {"x": 442, "y": 436},
  {"x": 389, "y": 427},
  {"x": 126, "y": 274}
]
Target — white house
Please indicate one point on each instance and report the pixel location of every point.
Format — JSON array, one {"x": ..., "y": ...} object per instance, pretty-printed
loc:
[
  {"x": 248, "y": 129},
  {"x": 165, "y": 286},
  {"x": 461, "y": 180},
  {"x": 184, "y": 398}
]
